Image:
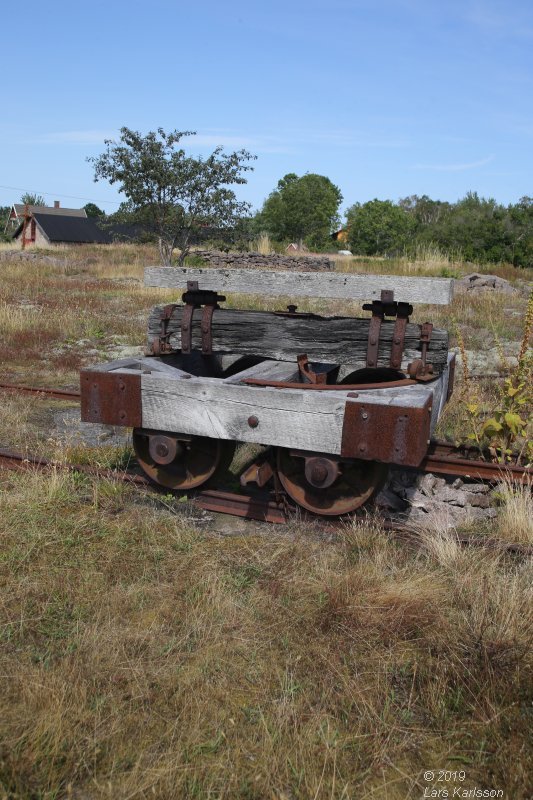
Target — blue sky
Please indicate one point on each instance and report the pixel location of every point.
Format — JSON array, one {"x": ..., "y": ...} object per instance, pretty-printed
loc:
[{"x": 386, "y": 97}]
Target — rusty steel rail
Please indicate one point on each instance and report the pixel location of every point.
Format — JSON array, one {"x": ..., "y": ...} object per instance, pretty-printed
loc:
[
  {"x": 264, "y": 507},
  {"x": 445, "y": 459},
  {"x": 9, "y": 459},
  {"x": 56, "y": 394}
]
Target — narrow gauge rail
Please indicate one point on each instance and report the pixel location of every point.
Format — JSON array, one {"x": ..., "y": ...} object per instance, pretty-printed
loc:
[
  {"x": 262, "y": 507},
  {"x": 56, "y": 394}
]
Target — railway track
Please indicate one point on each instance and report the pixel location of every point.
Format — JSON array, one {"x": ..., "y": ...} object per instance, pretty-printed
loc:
[
  {"x": 56, "y": 394},
  {"x": 262, "y": 507}
]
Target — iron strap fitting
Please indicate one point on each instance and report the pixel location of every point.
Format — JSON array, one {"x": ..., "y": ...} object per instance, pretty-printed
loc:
[
  {"x": 162, "y": 344},
  {"x": 196, "y": 298},
  {"x": 419, "y": 369},
  {"x": 387, "y": 306},
  {"x": 306, "y": 371}
]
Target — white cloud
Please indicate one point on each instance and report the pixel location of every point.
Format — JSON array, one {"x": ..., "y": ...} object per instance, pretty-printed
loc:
[{"x": 455, "y": 167}]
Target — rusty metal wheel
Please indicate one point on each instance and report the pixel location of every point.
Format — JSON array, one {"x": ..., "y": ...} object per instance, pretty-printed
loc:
[
  {"x": 179, "y": 461},
  {"x": 328, "y": 485}
]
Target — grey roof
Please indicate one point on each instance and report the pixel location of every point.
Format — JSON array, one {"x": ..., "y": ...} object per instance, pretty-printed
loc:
[
  {"x": 75, "y": 230},
  {"x": 61, "y": 212}
]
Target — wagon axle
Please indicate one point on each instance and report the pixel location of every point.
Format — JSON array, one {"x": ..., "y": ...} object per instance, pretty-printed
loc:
[{"x": 323, "y": 484}]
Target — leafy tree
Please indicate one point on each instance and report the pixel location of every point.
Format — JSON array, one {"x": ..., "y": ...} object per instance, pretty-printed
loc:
[
  {"x": 4, "y": 217},
  {"x": 92, "y": 210},
  {"x": 425, "y": 211},
  {"x": 301, "y": 209},
  {"x": 378, "y": 227},
  {"x": 521, "y": 219},
  {"x": 30, "y": 199},
  {"x": 170, "y": 193}
]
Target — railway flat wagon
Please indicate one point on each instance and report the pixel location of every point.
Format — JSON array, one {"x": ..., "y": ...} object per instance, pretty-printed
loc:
[{"x": 335, "y": 399}]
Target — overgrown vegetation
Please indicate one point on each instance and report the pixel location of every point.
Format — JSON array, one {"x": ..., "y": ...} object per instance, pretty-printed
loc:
[
  {"x": 505, "y": 433},
  {"x": 143, "y": 655}
]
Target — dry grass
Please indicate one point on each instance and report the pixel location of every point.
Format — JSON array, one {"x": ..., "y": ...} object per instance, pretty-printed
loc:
[
  {"x": 425, "y": 260},
  {"x": 515, "y": 518},
  {"x": 262, "y": 245},
  {"x": 142, "y": 657}
]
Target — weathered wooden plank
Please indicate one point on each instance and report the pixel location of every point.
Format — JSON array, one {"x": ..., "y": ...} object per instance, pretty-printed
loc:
[
  {"x": 267, "y": 370},
  {"x": 287, "y": 417},
  {"x": 156, "y": 365},
  {"x": 337, "y": 340},
  {"x": 327, "y": 285},
  {"x": 119, "y": 363}
]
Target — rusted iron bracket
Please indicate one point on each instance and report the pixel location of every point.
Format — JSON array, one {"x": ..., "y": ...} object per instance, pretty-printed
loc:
[
  {"x": 398, "y": 336},
  {"x": 260, "y": 472},
  {"x": 387, "y": 306},
  {"x": 162, "y": 345},
  {"x": 392, "y": 434},
  {"x": 196, "y": 298},
  {"x": 307, "y": 372},
  {"x": 111, "y": 398},
  {"x": 419, "y": 369}
]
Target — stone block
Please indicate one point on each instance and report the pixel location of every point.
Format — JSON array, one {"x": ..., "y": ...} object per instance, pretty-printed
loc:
[
  {"x": 426, "y": 484},
  {"x": 453, "y": 496},
  {"x": 389, "y": 500},
  {"x": 480, "y": 513},
  {"x": 476, "y": 488},
  {"x": 415, "y": 498},
  {"x": 478, "y": 500}
]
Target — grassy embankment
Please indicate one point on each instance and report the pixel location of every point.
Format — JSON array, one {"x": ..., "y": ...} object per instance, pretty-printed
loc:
[{"x": 143, "y": 656}]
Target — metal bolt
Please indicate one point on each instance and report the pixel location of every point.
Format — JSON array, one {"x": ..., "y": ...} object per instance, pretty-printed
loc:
[
  {"x": 364, "y": 415},
  {"x": 253, "y": 422},
  {"x": 319, "y": 473}
]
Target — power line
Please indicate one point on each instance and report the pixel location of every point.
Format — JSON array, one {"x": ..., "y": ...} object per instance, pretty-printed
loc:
[{"x": 58, "y": 194}]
